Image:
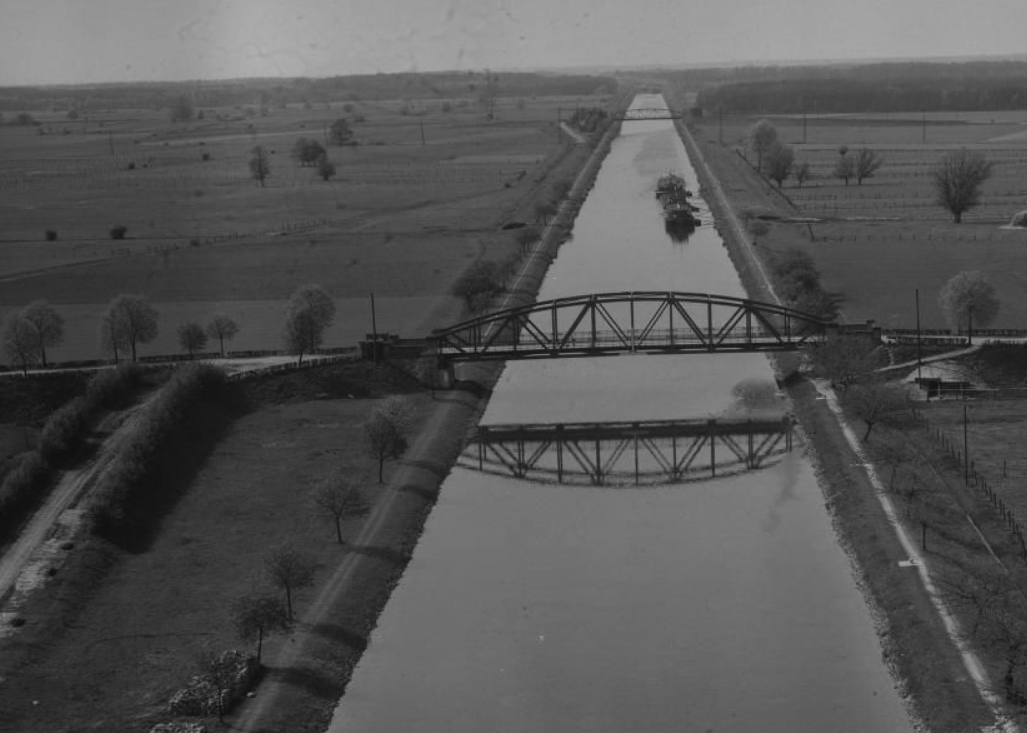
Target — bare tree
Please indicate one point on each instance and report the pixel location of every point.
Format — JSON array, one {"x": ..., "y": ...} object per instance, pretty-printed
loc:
[
  {"x": 957, "y": 181},
  {"x": 801, "y": 172},
  {"x": 874, "y": 403},
  {"x": 20, "y": 340},
  {"x": 257, "y": 615},
  {"x": 779, "y": 159},
  {"x": 762, "y": 137},
  {"x": 49, "y": 325},
  {"x": 260, "y": 164},
  {"x": 311, "y": 310},
  {"x": 865, "y": 164},
  {"x": 387, "y": 429},
  {"x": 191, "y": 338},
  {"x": 968, "y": 299},
  {"x": 288, "y": 569},
  {"x": 222, "y": 328},
  {"x": 844, "y": 167},
  {"x": 338, "y": 498},
  {"x": 129, "y": 320}
]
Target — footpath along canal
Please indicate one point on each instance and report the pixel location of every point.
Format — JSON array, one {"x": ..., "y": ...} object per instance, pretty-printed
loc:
[{"x": 722, "y": 604}]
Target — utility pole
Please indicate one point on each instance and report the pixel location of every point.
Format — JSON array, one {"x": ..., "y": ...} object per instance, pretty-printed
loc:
[
  {"x": 966, "y": 451},
  {"x": 923, "y": 127},
  {"x": 110, "y": 141},
  {"x": 720, "y": 135},
  {"x": 919, "y": 359},
  {"x": 422, "y": 133}
]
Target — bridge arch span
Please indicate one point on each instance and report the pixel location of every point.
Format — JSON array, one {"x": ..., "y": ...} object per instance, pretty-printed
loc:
[{"x": 601, "y": 324}]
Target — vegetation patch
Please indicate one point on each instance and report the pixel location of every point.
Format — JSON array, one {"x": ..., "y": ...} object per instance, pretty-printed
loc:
[{"x": 165, "y": 443}]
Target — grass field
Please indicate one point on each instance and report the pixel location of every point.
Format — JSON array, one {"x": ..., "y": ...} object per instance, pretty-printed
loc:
[
  {"x": 876, "y": 243},
  {"x": 402, "y": 218}
]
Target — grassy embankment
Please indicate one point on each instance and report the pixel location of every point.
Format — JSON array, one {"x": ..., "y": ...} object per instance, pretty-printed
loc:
[
  {"x": 103, "y": 653},
  {"x": 914, "y": 641}
]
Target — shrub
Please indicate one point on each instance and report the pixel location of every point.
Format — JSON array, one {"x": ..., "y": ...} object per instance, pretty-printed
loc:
[
  {"x": 66, "y": 428},
  {"x": 205, "y": 157},
  {"x": 159, "y": 454},
  {"x": 19, "y": 487},
  {"x": 118, "y": 232},
  {"x": 51, "y": 235},
  {"x": 479, "y": 283}
]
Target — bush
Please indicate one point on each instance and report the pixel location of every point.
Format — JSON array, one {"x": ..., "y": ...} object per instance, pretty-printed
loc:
[
  {"x": 51, "y": 235},
  {"x": 27, "y": 480},
  {"x": 66, "y": 428},
  {"x": 118, "y": 232},
  {"x": 159, "y": 455},
  {"x": 479, "y": 284}
]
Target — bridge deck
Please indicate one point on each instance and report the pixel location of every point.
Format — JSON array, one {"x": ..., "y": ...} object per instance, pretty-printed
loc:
[{"x": 638, "y": 428}]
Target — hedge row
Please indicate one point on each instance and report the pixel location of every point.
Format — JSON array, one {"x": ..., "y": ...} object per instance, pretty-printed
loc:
[
  {"x": 67, "y": 428},
  {"x": 20, "y": 486},
  {"x": 164, "y": 445},
  {"x": 62, "y": 435}
]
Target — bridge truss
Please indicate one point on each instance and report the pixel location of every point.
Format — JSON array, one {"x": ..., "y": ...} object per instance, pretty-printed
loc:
[
  {"x": 627, "y": 322},
  {"x": 628, "y": 454}
]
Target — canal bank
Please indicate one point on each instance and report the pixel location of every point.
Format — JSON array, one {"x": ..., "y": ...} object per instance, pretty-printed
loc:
[
  {"x": 720, "y": 605},
  {"x": 916, "y": 644},
  {"x": 307, "y": 673}
]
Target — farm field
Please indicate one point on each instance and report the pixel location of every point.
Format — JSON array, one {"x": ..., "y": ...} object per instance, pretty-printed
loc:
[
  {"x": 876, "y": 243},
  {"x": 402, "y": 218}
]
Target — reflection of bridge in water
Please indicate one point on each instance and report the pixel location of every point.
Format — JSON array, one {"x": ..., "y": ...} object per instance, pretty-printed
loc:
[{"x": 628, "y": 453}]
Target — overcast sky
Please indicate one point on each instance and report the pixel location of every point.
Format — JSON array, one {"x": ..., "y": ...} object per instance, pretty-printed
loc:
[{"x": 70, "y": 41}]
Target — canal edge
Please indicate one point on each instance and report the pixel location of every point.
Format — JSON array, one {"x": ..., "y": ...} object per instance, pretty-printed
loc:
[{"x": 854, "y": 469}]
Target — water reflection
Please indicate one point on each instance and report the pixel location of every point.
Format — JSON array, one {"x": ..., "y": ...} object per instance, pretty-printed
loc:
[
  {"x": 679, "y": 231},
  {"x": 640, "y": 453}
]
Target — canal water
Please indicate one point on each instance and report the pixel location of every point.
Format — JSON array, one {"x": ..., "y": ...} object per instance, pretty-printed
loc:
[{"x": 719, "y": 605}]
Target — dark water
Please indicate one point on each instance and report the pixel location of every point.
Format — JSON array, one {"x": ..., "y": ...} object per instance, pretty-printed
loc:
[{"x": 719, "y": 605}]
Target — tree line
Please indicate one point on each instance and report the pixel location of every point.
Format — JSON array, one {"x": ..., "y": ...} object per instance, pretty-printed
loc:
[
  {"x": 130, "y": 320},
  {"x": 906, "y": 91}
]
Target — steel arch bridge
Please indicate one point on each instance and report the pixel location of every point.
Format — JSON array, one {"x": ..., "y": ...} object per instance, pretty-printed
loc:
[
  {"x": 628, "y": 453},
  {"x": 606, "y": 324},
  {"x": 649, "y": 113}
]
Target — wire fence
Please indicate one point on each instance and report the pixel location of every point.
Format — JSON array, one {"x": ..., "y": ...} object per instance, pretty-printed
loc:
[{"x": 976, "y": 479}]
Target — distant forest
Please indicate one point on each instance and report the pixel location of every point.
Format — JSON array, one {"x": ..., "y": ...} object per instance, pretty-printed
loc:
[
  {"x": 280, "y": 92},
  {"x": 885, "y": 87}
]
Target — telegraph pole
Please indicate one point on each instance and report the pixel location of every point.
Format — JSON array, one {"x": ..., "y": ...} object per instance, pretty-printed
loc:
[{"x": 919, "y": 359}]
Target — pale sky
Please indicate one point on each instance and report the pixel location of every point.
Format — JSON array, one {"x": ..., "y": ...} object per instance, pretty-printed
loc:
[{"x": 73, "y": 41}]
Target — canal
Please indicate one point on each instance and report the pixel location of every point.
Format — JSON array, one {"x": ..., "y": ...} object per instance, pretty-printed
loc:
[{"x": 722, "y": 604}]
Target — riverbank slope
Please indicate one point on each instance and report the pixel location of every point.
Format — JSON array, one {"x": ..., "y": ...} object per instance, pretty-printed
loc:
[{"x": 915, "y": 643}]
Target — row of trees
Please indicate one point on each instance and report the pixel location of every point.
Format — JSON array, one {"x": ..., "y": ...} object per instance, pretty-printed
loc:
[
  {"x": 957, "y": 178},
  {"x": 777, "y": 160},
  {"x": 130, "y": 320}
]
